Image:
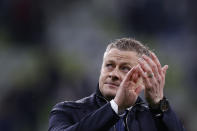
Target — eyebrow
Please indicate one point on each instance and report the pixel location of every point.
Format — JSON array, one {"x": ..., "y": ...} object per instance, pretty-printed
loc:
[
  {"x": 123, "y": 63},
  {"x": 109, "y": 61}
]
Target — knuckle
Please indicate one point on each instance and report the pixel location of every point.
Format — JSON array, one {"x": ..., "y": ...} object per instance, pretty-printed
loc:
[
  {"x": 154, "y": 66},
  {"x": 159, "y": 82}
]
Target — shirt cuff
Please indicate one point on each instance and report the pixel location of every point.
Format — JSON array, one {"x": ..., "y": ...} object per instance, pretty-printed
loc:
[{"x": 114, "y": 106}]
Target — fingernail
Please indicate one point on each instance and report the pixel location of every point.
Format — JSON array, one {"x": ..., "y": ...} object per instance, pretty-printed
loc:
[
  {"x": 167, "y": 66},
  {"x": 144, "y": 56},
  {"x": 140, "y": 59}
]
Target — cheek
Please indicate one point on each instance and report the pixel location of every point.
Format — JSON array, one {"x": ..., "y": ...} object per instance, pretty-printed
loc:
[
  {"x": 122, "y": 76},
  {"x": 102, "y": 77}
]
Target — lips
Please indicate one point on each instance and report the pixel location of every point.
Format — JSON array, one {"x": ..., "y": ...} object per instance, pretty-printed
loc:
[{"x": 112, "y": 84}]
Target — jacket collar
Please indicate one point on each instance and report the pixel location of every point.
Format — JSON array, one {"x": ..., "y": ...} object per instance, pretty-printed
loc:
[
  {"x": 100, "y": 99},
  {"x": 98, "y": 92}
]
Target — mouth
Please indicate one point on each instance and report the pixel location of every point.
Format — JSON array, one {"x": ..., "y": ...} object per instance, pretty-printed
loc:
[{"x": 112, "y": 85}]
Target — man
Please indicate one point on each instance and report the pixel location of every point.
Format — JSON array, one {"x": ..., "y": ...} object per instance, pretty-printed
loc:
[{"x": 128, "y": 68}]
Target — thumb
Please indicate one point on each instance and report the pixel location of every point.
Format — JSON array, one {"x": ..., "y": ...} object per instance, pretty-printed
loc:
[
  {"x": 138, "y": 89},
  {"x": 164, "y": 69}
]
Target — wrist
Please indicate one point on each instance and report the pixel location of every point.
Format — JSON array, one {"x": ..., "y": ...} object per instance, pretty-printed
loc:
[
  {"x": 155, "y": 103},
  {"x": 120, "y": 107},
  {"x": 160, "y": 107},
  {"x": 116, "y": 108}
]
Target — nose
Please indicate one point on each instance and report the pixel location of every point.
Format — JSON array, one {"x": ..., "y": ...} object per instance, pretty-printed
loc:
[{"x": 114, "y": 74}]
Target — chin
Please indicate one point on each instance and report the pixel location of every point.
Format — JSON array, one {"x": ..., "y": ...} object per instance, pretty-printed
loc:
[{"x": 109, "y": 93}]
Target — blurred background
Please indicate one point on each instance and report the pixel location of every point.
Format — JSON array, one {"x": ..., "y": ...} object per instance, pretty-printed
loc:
[{"x": 51, "y": 51}]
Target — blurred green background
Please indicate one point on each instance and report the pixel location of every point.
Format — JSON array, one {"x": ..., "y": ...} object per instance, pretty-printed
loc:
[{"x": 51, "y": 51}]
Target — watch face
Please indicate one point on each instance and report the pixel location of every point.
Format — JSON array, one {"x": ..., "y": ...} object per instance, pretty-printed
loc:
[{"x": 164, "y": 105}]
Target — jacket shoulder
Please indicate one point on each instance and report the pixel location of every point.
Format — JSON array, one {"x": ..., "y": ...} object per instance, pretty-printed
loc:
[{"x": 86, "y": 101}]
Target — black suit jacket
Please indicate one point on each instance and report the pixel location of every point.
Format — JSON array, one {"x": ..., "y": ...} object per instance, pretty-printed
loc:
[{"x": 94, "y": 113}]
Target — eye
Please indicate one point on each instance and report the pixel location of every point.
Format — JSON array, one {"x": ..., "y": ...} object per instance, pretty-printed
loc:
[
  {"x": 109, "y": 66},
  {"x": 125, "y": 69}
]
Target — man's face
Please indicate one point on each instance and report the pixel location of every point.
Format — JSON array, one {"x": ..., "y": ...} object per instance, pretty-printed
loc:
[{"x": 115, "y": 66}]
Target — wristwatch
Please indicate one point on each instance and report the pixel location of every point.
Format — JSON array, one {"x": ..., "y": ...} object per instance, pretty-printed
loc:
[
  {"x": 162, "y": 107},
  {"x": 164, "y": 104}
]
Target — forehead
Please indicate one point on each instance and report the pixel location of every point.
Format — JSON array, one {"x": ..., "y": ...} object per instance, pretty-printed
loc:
[{"x": 121, "y": 56}]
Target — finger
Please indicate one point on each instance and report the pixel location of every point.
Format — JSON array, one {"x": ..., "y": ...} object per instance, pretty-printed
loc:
[
  {"x": 135, "y": 75},
  {"x": 144, "y": 76},
  {"x": 164, "y": 69},
  {"x": 140, "y": 61},
  {"x": 153, "y": 66},
  {"x": 145, "y": 67},
  {"x": 138, "y": 90},
  {"x": 131, "y": 85},
  {"x": 141, "y": 72},
  {"x": 128, "y": 76},
  {"x": 156, "y": 60}
]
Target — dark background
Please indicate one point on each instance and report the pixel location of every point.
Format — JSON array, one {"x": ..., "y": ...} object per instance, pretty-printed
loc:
[{"x": 51, "y": 51}]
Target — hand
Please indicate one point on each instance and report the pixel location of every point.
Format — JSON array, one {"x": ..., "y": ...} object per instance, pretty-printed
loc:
[
  {"x": 154, "y": 78},
  {"x": 129, "y": 89}
]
